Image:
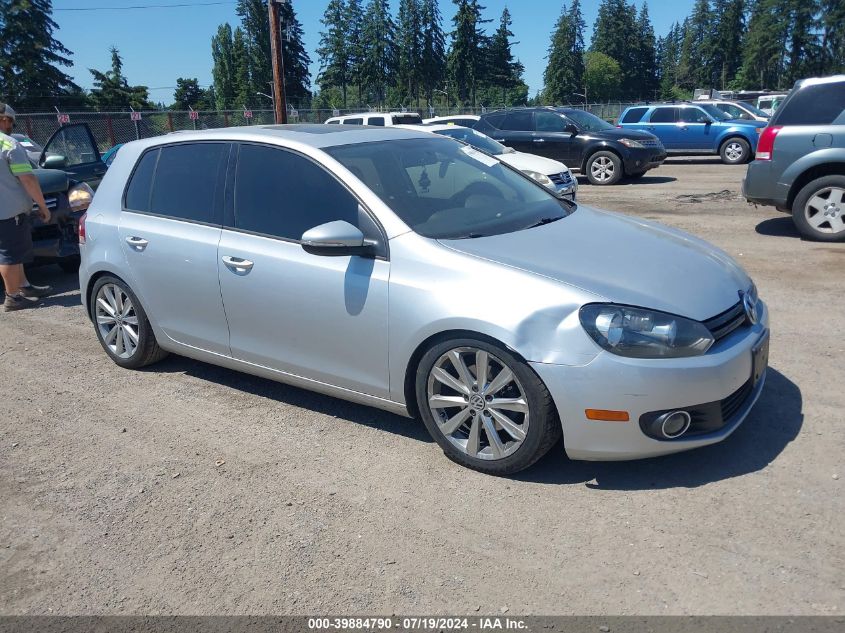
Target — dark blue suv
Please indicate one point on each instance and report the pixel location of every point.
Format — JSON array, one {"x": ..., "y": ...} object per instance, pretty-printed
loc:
[{"x": 690, "y": 128}]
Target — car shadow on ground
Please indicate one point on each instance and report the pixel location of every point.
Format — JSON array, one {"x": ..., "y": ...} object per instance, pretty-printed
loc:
[
  {"x": 772, "y": 424},
  {"x": 699, "y": 160},
  {"x": 302, "y": 398},
  {"x": 643, "y": 180},
  {"x": 778, "y": 227}
]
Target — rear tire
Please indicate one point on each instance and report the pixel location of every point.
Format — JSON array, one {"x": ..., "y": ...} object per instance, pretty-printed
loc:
[
  {"x": 819, "y": 209},
  {"x": 735, "y": 151},
  {"x": 122, "y": 326},
  {"x": 497, "y": 421},
  {"x": 604, "y": 168}
]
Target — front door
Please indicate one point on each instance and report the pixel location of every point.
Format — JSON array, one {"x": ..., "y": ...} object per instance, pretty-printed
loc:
[
  {"x": 696, "y": 129},
  {"x": 552, "y": 140},
  {"x": 319, "y": 317},
  {"x": 82, "y": 157}
]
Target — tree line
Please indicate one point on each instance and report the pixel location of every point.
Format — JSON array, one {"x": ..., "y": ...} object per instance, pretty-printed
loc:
[{"x": 369, "y": 57}]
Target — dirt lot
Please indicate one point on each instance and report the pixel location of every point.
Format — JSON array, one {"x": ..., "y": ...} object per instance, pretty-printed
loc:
[{"x": 191, "y": 489}]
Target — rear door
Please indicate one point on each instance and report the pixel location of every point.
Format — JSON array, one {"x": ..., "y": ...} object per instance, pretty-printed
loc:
[
  {"x": 663, "y": 123},
  {"x": 552, "y": 140},
  {"x": 517, "y": 131},
  {"x": 82, "y": 157},
  {"x": 169, "y": 230}
]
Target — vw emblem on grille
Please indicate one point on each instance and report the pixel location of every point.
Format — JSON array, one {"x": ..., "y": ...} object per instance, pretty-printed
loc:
[{"x": 750, "y": 305}]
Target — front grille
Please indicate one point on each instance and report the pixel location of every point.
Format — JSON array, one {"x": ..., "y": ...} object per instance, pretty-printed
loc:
[
  {"x": 723, "y": 324},
  {"x": 563, "y": 178},
  {"x": 707, "y": 417},
  {"x": 52, "y": 203},
  {"x": 650, "y": 143}
]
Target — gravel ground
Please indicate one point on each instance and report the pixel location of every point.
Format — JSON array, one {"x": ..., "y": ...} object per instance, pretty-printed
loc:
[{"x": 189, "y": 489}]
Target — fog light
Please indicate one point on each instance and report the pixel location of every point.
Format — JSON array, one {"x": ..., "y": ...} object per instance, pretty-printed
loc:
[{"x": 673, "y": 424}]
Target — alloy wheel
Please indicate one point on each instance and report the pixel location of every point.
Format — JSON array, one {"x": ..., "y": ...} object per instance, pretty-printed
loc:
[
  {"x": 478, "y": 403},
  {"x": 734, "y": 151},
  {"x": 825, "y": 211},
  {"x": 602, "y": 169},
  {"x": 117, "y": 320}
]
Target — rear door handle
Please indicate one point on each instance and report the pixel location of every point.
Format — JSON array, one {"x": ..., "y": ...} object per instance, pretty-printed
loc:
[
  {"x": 539, "y": 140},
  {"x": 237, "y": 265},
  {"x": 499, "y": 140},
  {"x": 138, "y": 243}
]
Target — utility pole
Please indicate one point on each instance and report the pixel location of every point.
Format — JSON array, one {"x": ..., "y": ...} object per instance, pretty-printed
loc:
[{"x": 280, "y": 102}]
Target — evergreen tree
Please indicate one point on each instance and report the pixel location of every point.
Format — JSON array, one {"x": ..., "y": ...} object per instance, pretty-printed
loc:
[
  {"x": 727, "y": 40},
  {"x": 647, "y": 74},
  {"x": 764, "y": 46},
  {"x": 433, "y": 55},
  {"x": 832, "y": 56},
  {"x": 409, "y": 49},
  {"x": 355, "y": 31},
  {"x": 467, "y": 57},
  {"x": 188, "y": 93},
  {"x": 335, "y": 51},
  {"x": 112, "y": 92},
  {"x": 696, "y": 66},
  {"x": 504, "y": 72},
  {"x": 564, "y": 74},
  {"x": 803, "y": 48},
  {"x": 296, "y": 59},
  {"x": 241, "y": 83},
  {"x": 669, "y": 60},
  {"x": 223, "y": 70},
  {"x": 378, "y": 65},
  {"x": 614, "y": 32},
  {"x": 30, "y": 57},
  {"x": 255, "y": 25}
]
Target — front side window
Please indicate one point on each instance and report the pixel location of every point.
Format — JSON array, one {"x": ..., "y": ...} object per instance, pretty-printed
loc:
[
  {"x": 733, "y": 111},
  {"x": 588, "y": 122},
  {"x": 693, "y": 115},
  {"x": 664, "y": 115},
  {"x": 495, "y": 120},
  {"x": 187, "y": 181},
  {"x": 446, "y": 190},
  {"x": 549, "y": 122},
  {"x": 283, "y": 194}
]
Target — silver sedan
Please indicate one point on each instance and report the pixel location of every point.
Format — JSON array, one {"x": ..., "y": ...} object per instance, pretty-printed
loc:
[{"x": 416, "y": 274}]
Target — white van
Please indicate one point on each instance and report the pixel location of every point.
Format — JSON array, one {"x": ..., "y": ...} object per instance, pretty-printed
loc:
[
  {"x": 770, "y": 103},
  {"x": 377, "y": 118}
]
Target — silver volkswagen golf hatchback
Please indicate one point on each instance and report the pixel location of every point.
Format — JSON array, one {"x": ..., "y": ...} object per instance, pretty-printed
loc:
[{"x": 416, "y": 274}]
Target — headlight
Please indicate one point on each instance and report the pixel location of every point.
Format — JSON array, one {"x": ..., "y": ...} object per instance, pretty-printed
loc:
[
  {"x": 543, "y": 179},
  {"x": 80, "y": 197},
  {"x": 640, "y": 333},
  {"x": 629, "y": 142}
]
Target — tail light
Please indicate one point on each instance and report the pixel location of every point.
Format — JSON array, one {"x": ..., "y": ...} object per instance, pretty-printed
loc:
[
  {"x": 82, "y": 228},
  {"x": 766, "y": 144}
]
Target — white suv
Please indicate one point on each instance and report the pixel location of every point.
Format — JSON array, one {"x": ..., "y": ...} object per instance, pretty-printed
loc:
[{"x": 384, "y": 119}]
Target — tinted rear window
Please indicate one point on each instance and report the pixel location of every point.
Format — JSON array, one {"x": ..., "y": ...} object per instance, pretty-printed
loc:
[
  {"x": 822, "y": 104},
  {"x": 186, "y": 181},
  {"x": 140, "y": 186},
  {"x": 353, "y": 122},
  {"x": 518, "y": 121},
  {"x": 633, "y": 115},
  {"x": 376, "y": 120},
  {"x": 407, "y": 119},
  {"x": 664, "y": 115}
]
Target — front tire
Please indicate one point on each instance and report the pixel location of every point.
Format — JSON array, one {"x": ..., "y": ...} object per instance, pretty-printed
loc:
[
  {"x": 819, "y": 209},
  {"x": 485, "y": 407},
  {"x": 604, "y": 168},
  {"x": 122, "y": 326},
  {"x": 735, "y": 151}
]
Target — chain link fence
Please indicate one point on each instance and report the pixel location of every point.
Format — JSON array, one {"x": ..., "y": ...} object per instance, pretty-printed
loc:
[{"x": 111, "y": 128}]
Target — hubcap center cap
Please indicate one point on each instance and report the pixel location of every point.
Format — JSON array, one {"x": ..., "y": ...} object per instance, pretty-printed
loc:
[
  {"x": 476, "y": 402},
  {"x": 831, "y": 210}
]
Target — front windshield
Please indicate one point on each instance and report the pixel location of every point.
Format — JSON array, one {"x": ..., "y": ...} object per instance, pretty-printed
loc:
[
  {"x": 588, "y": 122},
  {"x": 713, "y": 111},
  {"x": 447, "y": 190},
  {"x": 754, "y": 110},
  {"x": 476, "y": 139}
]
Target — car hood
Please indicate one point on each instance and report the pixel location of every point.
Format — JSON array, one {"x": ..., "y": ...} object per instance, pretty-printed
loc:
[
  {"x": 623, "y": 260},
  {"x": 51, "y": 180},
  {"x": 530, "y": 162},
  {"x": 616, "y": 134}
]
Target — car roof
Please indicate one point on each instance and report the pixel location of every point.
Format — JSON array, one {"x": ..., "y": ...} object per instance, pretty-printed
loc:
[{"x": 315, "y": 135}]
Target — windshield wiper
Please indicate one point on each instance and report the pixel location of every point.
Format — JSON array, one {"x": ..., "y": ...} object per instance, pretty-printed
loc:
[{"x": 543, "y": 221}]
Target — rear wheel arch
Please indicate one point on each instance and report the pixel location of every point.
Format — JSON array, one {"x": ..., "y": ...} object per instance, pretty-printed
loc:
[{"x": 811, "y": 174}]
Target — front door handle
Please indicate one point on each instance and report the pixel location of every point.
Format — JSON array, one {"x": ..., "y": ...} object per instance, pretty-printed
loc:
[
  {"x": 539, "y": 140},
  {"x": 499, "y": 140},
  {"x": 237, "y": 265},
  {"x": 138, "y": 243}
]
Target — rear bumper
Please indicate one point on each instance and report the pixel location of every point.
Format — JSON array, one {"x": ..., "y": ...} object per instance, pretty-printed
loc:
[
  {"x": 761, "y": 187},
  {"x": 644, "y": 386}
]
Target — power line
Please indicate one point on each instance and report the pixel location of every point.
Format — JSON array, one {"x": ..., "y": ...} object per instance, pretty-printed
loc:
[{"x": 148, "y": 6}]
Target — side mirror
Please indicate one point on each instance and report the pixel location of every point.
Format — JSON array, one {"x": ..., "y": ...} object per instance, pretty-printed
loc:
[
  {"x": 571, "y": 128},
  {"x": 54, "y": 161},
  {"x": 336, "y": 238}
]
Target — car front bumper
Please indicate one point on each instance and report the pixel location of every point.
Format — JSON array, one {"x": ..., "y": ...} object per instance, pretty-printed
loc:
[
  {"x": 642, "y": 386},
  {"x": 642, "y": 159}
]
